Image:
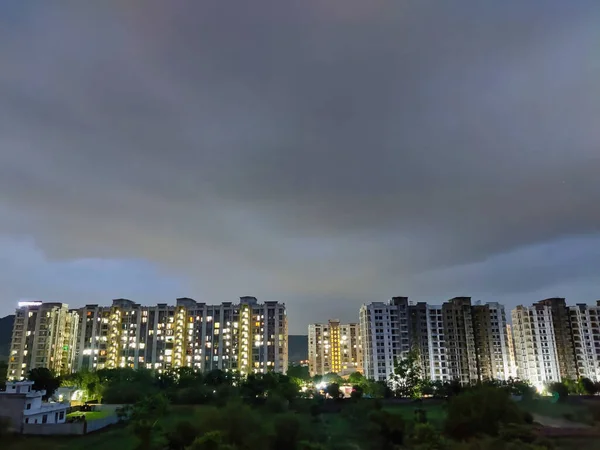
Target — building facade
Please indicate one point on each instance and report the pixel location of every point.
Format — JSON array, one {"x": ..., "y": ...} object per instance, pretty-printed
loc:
[
  {"x": 585, "y": 327},
  {"x": 22, "y": 405},
  {"x": 563, "y": 336},
  {"x": 334, "y": 347},
  {"x": 454, "y": 341},
  {"x": 385, "y": 336},
  {"x": 43, "y": 336},
  {"x": 535, "y": 345},
  {"x": 511, "y": 352},
  {"x": 247, "y": 336}
]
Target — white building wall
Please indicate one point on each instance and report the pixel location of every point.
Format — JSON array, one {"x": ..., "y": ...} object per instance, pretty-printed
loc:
[
  {"x": 437, "y": 345},
  {"x": 384, "y": 331},
  {"x": 585, "y": 324},
  {"x": 535, "y": 346}
]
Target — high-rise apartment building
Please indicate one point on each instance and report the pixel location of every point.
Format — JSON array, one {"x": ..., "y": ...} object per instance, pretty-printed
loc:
[
  {"x": 563, "y": 336},
  {"x": 585, "y": 327},
  {"x": 247, "y": 336},
  {"x": 491, "y": 342},
  {"x": 43, "y": 336},
  {"x": 385, "y": 335},
  {"x": 535, "y": 345},
  {"x": 334, "y": 347},
  {"x": 512, "y": 362},
  {"x": 454, "y": 341}
]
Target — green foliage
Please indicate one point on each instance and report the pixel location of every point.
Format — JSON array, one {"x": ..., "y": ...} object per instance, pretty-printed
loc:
[
  {"x": 406, "y": 380},
  {"x": 237, "y": 424},
  {"x": 87, "y": 381},
  {"x": 287, "y": 431},
  {"x": 298, "y": 372},
  {"x": 356, "y": 378},
  {"x": 385, "y": 430},
  {"x": 521, "y": 388},
  {"x": 144, "y": 417},
  {"x": 333, "y": 377},
  {"x": 182, "y": 435},
  {"x": 357, "y": 392},
  {"x": 44, "y": 379},
  {"x": 212, "y": 440},
  {"x": 559, "y": 390},
  {"x": 377, "y": 389},
  {"x": 587, "y": 386},
  {"x": 333, "y": 390},
  {"x": 426, "y": 437},
  {"x": 481, "y": 410}
]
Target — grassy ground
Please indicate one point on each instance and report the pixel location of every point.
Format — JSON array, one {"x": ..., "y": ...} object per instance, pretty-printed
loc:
[
  {"x": 435, "y": 411},
  {"x": 90, "y": 415},
  {"x": 117, "y": 437}
]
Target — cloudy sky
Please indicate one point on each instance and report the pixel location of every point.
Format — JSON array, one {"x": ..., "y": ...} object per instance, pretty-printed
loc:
[{"x": 325, "y": 153}]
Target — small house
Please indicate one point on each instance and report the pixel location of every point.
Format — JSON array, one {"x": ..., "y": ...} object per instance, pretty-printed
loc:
[{"x": 23, "y": 405}]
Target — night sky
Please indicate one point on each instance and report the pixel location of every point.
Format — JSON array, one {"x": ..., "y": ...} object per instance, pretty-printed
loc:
[{"x": 324, "y": 153}]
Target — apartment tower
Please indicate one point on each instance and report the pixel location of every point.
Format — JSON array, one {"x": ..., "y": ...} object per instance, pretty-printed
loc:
[
  {"x": 385, "y": 335},
  {"x": 43, "y": 336},
  {"x": 334, "y": 347},
  {"x": 585, "y": 327},
  {"x": 534, "y": 340}
]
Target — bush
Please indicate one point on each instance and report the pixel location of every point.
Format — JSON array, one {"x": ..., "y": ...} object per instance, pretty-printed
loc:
[
  {"x": 480, "y": 411},
  {"x": 517, "y": 433},
  {"x": 386, "y": 430},
  {"x": 287, "y": 432},
  {"x": 183, "y": 434},
  {"x": 237, "y": 424},
  {"x": 277, "y": 404},
  {"x": 426, "y": 437},
  {"x": 357, "y": 392},
  {"x": 559, "y": 390}
]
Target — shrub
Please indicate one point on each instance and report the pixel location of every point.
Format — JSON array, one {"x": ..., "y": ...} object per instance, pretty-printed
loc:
[
  {"x": 480, "y": 411},
  {"x": 517, "y": 433},
  {"x": 426, "y": 437},
  {"x": 182, "y": 435},
  {"x": 560, "y": 390},
  {"x": 287, "y": 432},
  {"x": 386, "y": 430},
  {"x": 276, "y": 404}
]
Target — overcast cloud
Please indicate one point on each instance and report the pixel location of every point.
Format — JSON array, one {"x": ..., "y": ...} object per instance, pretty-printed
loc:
[{"x": 325, "y": 153}]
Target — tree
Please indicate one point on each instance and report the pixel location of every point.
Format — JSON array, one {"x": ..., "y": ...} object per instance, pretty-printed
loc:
[
  {"x": 299, "y": 372},
  {"x": 357, "y": 392},
  {"x": 332, "y": 377},
  {"x": 587, "y": 386},
  {"x": 44, "y": 380},
  {"x": 407, "y": 376},
  {"x": 481, "y": 410},
  {"x": 333, "y": 390},
  {"x": 144, "y": 418},
  {"x": 356, "y": 378},
  {"x": 559, "y": 390}
]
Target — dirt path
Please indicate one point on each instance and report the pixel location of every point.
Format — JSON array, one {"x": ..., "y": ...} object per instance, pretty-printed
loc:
[{"x": 552, "y": 422}]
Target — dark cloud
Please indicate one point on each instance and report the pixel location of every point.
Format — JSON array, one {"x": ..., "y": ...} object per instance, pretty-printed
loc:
[{"x": 324, "y": 152}]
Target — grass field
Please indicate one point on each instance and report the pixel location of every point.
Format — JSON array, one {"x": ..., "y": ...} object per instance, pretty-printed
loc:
[{"x": 90, "y": 415}]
